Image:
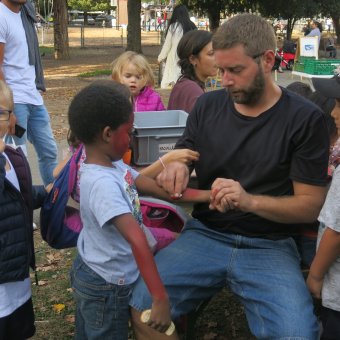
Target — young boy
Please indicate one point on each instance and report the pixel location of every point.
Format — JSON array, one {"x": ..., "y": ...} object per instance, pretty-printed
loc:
[
  {"x": 324, "y": 275},
  {"x": 17, "y": 201},
  {"x": 112, "y": 245}
]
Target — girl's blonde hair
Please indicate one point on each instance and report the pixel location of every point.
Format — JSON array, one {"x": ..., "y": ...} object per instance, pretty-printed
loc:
[
  {"x": 139, "y": 61},
  {"x": 7, "y": 94}
]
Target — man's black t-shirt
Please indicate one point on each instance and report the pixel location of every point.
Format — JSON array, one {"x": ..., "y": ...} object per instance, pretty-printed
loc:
[{"x": 288, "y": 142}]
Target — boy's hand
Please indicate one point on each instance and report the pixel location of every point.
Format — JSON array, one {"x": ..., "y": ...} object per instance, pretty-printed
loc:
[
  {"x": 160, "y": 318},
  {"x": 2, "y": 146},
  {"x": 49, "y": 187},
  {"x": 11, "y": 124},
  {"x": 314, "y": 285}
]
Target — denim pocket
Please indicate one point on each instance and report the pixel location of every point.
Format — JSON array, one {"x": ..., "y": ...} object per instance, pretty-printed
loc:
[{"x": 92, "y": 308}]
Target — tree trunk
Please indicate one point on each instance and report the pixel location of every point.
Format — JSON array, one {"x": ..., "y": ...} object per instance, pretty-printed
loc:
[
  {"x": 336, "y": 24},
  {"x": 214, "y": 17},
  {"x": 289, "y": 28},
  {"x": 134, "y": 42},
  {"x": 60, "y": 21}
]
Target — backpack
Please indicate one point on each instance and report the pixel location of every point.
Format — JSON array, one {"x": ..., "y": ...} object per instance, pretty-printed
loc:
[{"x": 60, "y": 224}]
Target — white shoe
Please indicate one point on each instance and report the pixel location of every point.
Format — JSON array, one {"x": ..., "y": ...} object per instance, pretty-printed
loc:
[{"x": 34, "y": 226}]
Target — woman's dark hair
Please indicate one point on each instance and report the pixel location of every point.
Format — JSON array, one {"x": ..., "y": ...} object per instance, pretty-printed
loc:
[
  {"x": 327, "y": 105},
  {"x": 180, "y": 16},
  {"x": 324, "y": 103},
  {"x": 300, "y": 88},
  {"x": 100, "y": 104},
  {"x": 192, "y": 43},
  {"x": 318, "y": 25}
]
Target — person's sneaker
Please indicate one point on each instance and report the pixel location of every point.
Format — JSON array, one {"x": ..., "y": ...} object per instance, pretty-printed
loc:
[
  {"x": 34, "y": 226},
  {"x": 280, "y": 69}
]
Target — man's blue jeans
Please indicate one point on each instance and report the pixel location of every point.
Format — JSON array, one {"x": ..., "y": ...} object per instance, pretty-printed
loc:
[
  {"x": 102, "y": 308},
  {"x": 36, "y": 120},
  {"x": 264, "y": 274}
]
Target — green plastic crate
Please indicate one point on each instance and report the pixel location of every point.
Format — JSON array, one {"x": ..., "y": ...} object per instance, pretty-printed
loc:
[
  {"x": 299, "y": 67},
  {"x": 302, "y": 59},
  {"x": 321, "y": 67}
]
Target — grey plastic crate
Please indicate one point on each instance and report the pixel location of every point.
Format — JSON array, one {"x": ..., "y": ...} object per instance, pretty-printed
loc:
[{"x": 156, "y": 133}]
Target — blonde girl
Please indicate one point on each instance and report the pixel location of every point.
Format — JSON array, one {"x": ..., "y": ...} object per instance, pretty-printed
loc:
[{"x": 133, "y": 70}]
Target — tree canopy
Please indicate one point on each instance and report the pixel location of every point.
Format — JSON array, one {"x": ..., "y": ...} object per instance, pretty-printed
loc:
[{"x": 90, "y": 5}]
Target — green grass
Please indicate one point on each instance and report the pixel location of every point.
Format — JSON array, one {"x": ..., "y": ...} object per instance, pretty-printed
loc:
[
  {"x": 46, "y": 50},
  {"x": 53, "y": 268},
  {"x": 95, "y": 73}
]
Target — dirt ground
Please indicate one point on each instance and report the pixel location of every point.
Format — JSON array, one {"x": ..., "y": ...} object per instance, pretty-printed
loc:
[{"x": 223, "y": 318}]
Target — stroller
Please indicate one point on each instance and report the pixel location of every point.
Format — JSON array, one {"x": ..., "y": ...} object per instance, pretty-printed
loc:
[{"x": 285, "y": 56}]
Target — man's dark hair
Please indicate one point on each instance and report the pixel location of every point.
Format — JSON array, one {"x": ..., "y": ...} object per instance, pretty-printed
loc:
[
  {"x": 192, "y": 43},
  {"x": 103, "y": 103}
]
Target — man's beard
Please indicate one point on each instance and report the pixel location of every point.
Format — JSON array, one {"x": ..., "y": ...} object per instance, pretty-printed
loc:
[{"x": 252, "y": 93}]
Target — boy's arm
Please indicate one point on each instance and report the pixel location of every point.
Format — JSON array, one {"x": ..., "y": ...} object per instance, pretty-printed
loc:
[
  {"x": 186, "y": 156},
  {"x": 148, "y": 186},
  {"x": 39, "y": 193},
  {"x": 60, "y": 166},
  {"x": 131, "y": 231},
  {"x": 328, "y": 251}
]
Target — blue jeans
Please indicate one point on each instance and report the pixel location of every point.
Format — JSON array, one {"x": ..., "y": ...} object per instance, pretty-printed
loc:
[
  {"x": 102, "y": 308},
  {"x": 36, "y": 120},
  {"x": 264, "y": 274}
]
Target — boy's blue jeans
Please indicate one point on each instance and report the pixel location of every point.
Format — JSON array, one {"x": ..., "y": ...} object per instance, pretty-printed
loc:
[
  {"x": 264, "y": 274},
  {"x": 36, "y": 120},
  {"x": 102, "y": 308}
]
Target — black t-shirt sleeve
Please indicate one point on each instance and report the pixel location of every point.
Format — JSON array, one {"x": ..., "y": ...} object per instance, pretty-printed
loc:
[{"x": 309, "y": 159}]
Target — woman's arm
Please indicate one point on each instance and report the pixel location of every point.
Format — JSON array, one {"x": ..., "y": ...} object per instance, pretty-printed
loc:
[
  {"x": 181, "y": 155},
  {"x": 167, "y": 44}
]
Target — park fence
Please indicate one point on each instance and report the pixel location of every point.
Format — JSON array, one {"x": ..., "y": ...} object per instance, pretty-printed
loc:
[{"x": 87, "y": 36}]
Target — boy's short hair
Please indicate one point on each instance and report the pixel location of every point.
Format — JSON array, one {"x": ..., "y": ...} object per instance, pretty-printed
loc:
[
  {"x": 102, "y": 103},
  {"x": 139, "y": 61},
  {"x": 249, "y": 30}
]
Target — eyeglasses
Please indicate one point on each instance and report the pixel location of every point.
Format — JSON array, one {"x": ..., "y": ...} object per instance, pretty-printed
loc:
[{"x": 4, "y": 114}]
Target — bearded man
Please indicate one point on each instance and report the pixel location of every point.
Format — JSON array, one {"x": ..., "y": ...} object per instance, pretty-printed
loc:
[{"x": 263, "y": 152}]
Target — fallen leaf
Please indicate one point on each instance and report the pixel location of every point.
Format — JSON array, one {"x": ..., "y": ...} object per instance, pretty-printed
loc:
[
  {"x": 45, "y": 268},
  {"x": 210, "y": 336},
  {"x": 70, "y": 318},
  {"x": 42, "y": 283},
  {"x": 58, "y": 307}
]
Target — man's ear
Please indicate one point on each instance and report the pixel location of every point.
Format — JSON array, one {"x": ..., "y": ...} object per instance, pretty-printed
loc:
[{"x": 269, "y": 60}]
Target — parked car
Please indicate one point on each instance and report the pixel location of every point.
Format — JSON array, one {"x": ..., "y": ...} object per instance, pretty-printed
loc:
[
  {"x": 109, "y": 20},
  {"x": 79, "y": 21}
]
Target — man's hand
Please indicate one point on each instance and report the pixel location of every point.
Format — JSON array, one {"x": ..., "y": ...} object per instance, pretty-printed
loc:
[
  {"x": 11, "y": 124},
  {"x": 228, "y": 194},
  {"x": 174, "y": 179}
]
